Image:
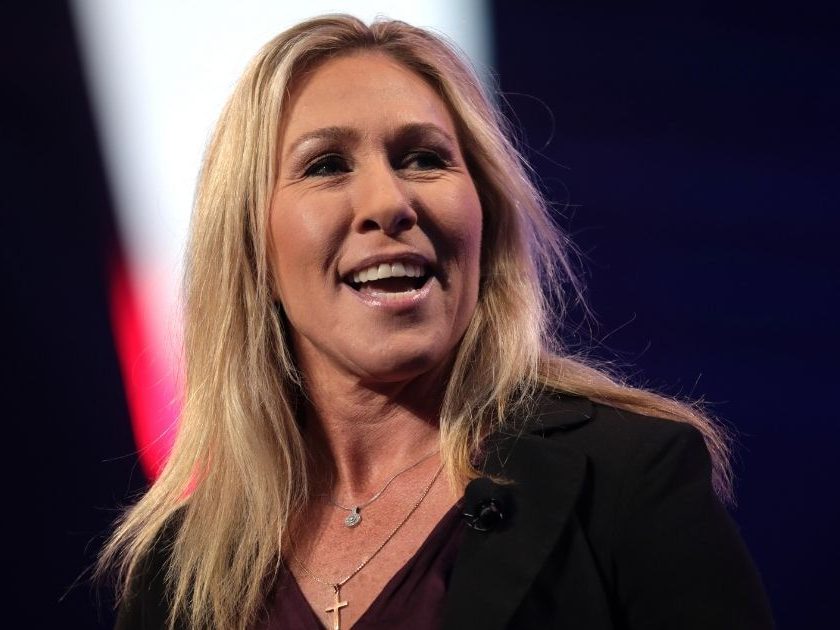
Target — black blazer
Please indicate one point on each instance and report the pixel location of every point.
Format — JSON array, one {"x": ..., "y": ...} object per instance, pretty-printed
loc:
[
  {"x": 614, "y": 525},
  {"x": 611, "y": 523}
]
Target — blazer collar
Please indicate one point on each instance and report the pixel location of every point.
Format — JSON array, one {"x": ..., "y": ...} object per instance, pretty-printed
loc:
[
  {"x": 495, "y": 569},
  {"x": 558, "y": 411}
]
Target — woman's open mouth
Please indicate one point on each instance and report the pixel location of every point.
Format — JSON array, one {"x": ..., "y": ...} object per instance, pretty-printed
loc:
[{"x": 389, "y": 280}]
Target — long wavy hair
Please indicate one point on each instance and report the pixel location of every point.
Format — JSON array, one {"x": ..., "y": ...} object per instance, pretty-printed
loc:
[{"x": 238, "y": 469}]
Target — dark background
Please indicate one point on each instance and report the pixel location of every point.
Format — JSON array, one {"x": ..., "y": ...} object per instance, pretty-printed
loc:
[{"x": 693, "y": 155}]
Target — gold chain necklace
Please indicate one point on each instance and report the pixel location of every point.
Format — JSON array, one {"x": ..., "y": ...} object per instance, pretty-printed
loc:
[{"x": 337, "y": 604}]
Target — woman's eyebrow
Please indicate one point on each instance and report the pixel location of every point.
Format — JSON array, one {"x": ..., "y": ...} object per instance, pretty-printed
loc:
[
  {"x": 418, "y": 131},
  {"x": 411, "y": 132},
  {"x": 324, "y": 134}
]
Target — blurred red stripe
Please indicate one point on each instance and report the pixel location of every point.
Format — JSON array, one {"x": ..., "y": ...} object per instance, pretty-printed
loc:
[{"x": 147, "y": 372}]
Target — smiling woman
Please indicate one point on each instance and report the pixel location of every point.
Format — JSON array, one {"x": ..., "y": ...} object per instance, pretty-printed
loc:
[
  {"x": 372, "y": 187},
  {"x": 380, "y": 428}
]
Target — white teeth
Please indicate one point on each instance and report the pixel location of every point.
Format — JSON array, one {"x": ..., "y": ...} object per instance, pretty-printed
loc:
[{"x": 386, "y": 270}]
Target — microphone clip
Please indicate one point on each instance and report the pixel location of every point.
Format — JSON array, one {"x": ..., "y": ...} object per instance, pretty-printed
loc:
[
  {"x": 485, "y": 516},
  {"x": 487, "y": 506}
]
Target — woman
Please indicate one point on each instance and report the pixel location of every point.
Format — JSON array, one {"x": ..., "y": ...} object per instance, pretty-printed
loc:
[{"x": 379, "y": 427}]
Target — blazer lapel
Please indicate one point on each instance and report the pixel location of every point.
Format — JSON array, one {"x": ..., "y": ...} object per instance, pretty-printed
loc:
[{"x": 495, "y": 569}]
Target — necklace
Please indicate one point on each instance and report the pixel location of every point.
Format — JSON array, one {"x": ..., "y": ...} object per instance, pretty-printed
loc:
[
  {"x": 355, "y": 516},
  {"x": 337, "y": 605}
]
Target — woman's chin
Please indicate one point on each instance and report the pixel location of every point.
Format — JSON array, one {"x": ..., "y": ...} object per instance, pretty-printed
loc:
[
  {"x": 398, "y": 368},
  {"x": 386, "y": 357}
]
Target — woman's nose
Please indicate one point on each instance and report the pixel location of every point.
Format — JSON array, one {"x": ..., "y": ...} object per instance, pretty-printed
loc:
[{"x": 382, "y": 202}]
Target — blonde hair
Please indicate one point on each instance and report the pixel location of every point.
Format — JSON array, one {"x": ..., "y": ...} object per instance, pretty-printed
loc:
[{"x": 238, "y": 469}]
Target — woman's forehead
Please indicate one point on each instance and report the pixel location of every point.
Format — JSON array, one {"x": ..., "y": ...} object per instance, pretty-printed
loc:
[{"x": 369, "y": 91}]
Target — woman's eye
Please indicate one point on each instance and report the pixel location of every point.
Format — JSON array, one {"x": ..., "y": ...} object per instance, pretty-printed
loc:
[
  {"x": 326, "y": 166},
  {"x": 424, "y": 161}
]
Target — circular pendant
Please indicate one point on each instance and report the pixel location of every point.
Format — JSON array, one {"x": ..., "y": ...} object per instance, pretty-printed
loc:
[{"x": 354, "y": 518}]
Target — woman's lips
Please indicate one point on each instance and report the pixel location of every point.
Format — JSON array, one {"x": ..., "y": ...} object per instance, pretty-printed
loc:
[{"x": 371, "y": 295}]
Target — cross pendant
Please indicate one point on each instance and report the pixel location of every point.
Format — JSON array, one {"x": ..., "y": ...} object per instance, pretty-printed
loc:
[{"x": 335, "y": 609}]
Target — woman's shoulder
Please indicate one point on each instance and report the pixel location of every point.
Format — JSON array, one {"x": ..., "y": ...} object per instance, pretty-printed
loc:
[
  {"x": 630, "y": 460},
  {"x": 650, "y": 514}
]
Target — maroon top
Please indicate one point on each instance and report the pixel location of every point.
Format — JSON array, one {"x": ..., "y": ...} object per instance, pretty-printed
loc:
[{"x": 412, "y": 599}]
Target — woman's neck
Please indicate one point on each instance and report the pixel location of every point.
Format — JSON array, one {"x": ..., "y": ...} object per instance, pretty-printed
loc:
[{"x": 361, "y": 435}]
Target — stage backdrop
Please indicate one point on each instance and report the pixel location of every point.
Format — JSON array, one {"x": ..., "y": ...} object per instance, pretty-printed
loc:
[{"x": 692, "y": 154}]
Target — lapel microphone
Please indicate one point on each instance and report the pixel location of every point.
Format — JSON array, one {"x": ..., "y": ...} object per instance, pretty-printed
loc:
[{"x": 487, "y": 505}]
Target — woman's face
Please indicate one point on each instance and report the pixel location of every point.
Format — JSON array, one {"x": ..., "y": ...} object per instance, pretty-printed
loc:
[{"x": 375, "y": 223}]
